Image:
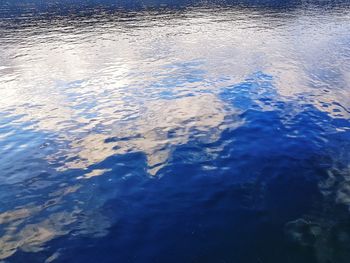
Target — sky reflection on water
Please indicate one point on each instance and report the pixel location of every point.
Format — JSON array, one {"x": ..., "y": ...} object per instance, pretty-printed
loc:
[{"x": 206, "y": 132}]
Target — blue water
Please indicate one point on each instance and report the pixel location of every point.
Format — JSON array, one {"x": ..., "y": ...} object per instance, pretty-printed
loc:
[{"x": 175, "y": 131}]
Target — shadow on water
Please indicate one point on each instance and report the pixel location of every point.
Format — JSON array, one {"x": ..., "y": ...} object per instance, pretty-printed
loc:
[
  {"x": 23, "y": 9},
  {"x": 273, "y": 189}
]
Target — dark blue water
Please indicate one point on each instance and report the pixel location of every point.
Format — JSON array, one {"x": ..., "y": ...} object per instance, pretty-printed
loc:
[{"x": 175, "y": 131}]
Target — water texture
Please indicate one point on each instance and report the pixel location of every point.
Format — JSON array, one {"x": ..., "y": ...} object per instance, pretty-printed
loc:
[{"x": 175, "y": 131}]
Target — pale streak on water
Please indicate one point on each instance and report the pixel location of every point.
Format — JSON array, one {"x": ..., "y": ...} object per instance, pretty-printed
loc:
[{"x": 76, "y": 90}]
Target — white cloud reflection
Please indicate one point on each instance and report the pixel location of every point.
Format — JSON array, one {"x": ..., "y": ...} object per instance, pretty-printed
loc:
[{"x": 122, "y": 86}]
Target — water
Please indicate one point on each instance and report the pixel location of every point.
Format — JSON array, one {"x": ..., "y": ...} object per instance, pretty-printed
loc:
[{"x": 175, "y": 131}]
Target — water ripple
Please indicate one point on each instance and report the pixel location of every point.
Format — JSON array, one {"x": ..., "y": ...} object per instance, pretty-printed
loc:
[{"x": 174, "y": 132}]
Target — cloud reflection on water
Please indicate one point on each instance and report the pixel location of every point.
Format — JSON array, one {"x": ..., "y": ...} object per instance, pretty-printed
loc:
[{"x": 80, "y": 91}]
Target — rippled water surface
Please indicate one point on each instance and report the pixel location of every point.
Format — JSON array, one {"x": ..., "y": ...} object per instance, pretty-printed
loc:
[{"x": 175, "y": 131}]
